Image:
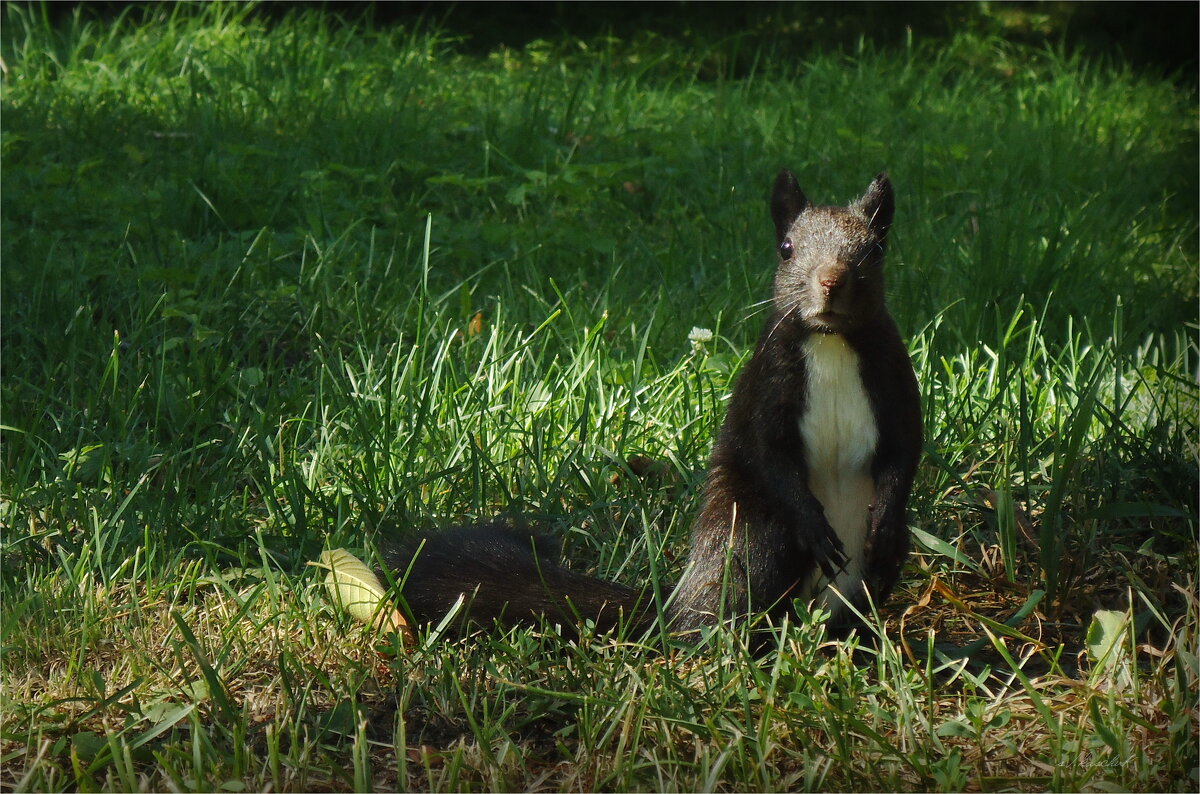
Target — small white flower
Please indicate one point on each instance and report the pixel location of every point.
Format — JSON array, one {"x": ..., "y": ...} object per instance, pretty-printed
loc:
[{"x": 699, "y": 337}]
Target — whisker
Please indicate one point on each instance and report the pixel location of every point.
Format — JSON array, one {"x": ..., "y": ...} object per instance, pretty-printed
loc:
[
  {"x": 756, "y": 308},
  {"x": 783, "y": 315},
  {"x": 861, "y": 276},
  {"x": 750, "y": 316}
]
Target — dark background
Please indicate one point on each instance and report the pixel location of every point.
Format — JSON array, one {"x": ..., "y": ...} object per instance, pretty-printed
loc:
[{"x": 1160, "y": 37}]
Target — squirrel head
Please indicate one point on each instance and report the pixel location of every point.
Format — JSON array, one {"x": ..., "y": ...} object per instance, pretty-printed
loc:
[{"x": 830, "y": 273}]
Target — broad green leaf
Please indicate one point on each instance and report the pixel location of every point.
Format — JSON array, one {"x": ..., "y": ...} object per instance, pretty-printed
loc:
[
  {"x": 1104, "y": 636},
  {"x": 88, "y": 744}
]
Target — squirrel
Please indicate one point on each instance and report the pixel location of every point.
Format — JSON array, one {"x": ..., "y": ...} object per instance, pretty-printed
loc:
[{"x": 810, "y": 475}]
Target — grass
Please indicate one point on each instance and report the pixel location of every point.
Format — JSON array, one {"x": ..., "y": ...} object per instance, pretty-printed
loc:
[{"x": 272, "y": 287}]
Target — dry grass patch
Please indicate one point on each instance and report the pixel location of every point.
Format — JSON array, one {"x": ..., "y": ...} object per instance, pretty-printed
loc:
[{"x": 275, "y": 690}]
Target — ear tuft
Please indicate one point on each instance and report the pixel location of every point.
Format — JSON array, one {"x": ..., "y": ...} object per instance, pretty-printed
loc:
[
  {"x": 787, "y": 202},
  {"x": 878, "y": 204}
]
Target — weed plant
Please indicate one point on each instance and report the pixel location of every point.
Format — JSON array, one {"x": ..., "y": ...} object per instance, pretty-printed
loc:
[{"x": 272, "y": 286}]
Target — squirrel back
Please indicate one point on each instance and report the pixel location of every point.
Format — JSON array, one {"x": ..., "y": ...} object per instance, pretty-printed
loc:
[{"x": 809, "y": 480}]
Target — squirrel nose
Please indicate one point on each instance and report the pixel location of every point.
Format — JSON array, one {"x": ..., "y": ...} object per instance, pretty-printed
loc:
[{"x": 831, "y": 283}]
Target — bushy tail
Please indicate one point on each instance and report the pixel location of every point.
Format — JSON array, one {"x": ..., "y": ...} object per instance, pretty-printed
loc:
[{"x": 510, "y": 575}]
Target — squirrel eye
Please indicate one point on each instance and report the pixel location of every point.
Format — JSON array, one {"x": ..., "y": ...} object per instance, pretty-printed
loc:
[{"x": 786, "y": 249}]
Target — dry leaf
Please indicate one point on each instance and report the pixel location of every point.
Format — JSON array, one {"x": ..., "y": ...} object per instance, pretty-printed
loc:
[
  {"x": 1024, "y": 522},
  {"x": 646, "y": 468},
  {"x": 355, "y": 588},
  {"x": 422, "y": 752}
]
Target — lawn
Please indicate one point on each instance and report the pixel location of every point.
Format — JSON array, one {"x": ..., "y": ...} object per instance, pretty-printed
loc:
[{"x": 279, "y": 283}]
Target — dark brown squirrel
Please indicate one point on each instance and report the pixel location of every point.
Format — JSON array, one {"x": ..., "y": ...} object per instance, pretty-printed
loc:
[{"x": 809, "y": 478}]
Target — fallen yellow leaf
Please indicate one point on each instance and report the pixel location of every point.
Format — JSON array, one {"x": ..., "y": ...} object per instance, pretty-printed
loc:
[{"x": 355, "y": 587}]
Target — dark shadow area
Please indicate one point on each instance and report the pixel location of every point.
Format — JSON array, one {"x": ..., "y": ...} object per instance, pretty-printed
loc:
[{"x": 1159, "y": 37}]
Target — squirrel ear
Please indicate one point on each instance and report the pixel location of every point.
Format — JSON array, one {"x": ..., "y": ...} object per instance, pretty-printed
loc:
[
  {"x": 878, "y": 204},
  {"x": 787, "y": 202}
]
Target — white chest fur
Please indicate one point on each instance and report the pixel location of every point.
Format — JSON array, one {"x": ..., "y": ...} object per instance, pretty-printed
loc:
[{"x": 840, "y": 435}]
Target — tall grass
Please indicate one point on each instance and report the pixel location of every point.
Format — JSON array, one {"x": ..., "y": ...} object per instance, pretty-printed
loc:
[{"x": 275, "y": 286}]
